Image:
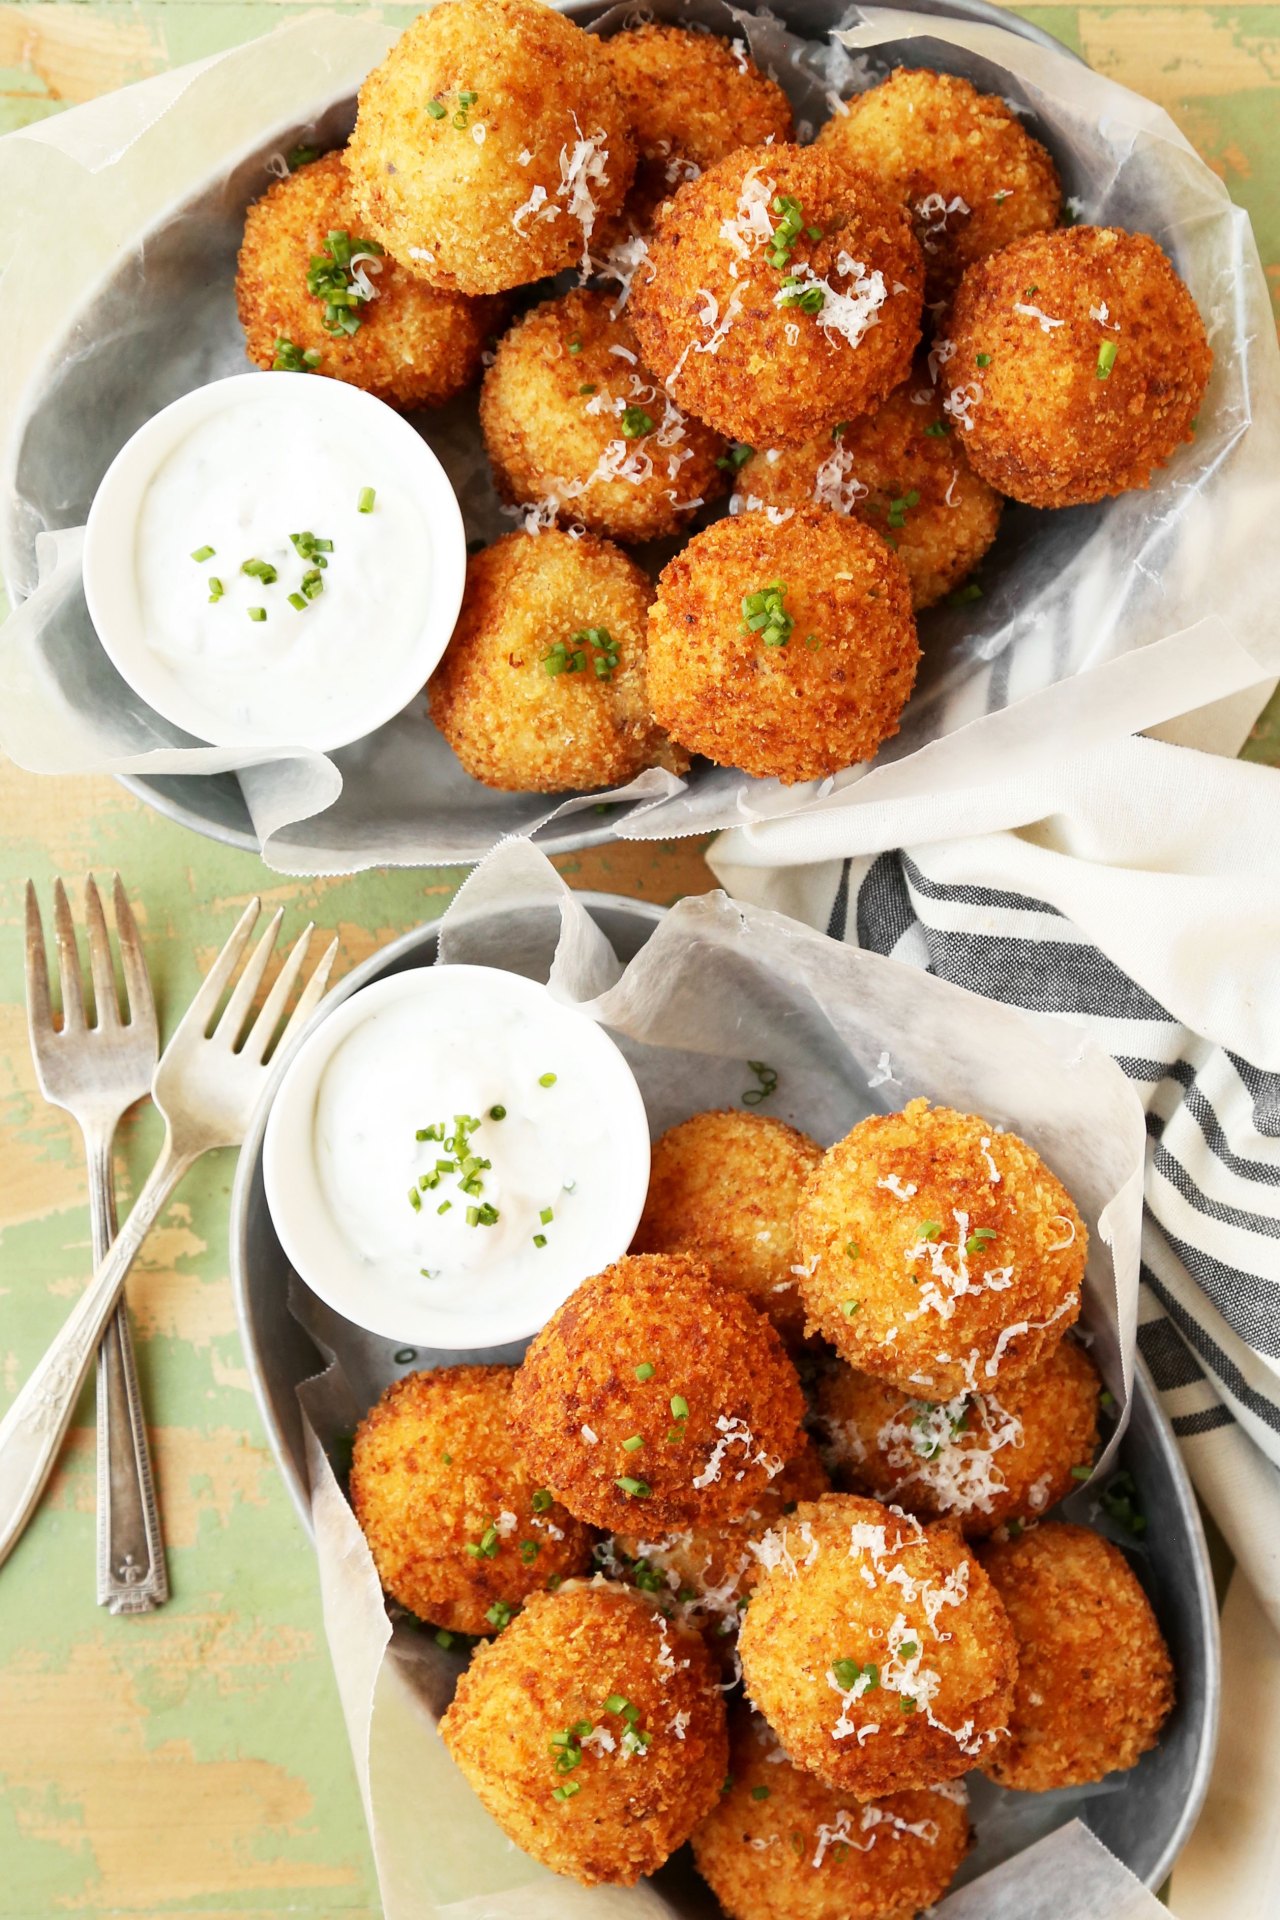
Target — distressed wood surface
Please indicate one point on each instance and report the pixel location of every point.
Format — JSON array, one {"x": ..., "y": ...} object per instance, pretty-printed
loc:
[{"x": 194, "y": 1761}]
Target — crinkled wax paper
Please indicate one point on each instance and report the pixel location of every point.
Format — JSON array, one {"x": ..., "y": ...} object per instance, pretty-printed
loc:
[
  {"x": 122, "y": 220},
  {"x": 849, "y": 1033}
]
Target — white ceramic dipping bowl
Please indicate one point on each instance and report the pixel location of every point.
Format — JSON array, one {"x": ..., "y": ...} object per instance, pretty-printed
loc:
[
  {"x": 240, "y": 467},
  {"x": 561, "y": 1123}
]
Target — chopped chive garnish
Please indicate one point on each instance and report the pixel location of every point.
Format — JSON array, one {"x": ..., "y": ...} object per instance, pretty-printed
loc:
[
  {"x": 203, "y": 553},
  {"x": 586, "y": 388},
  {"x": 736, "y": 458},
  {"x": 852, "y": 1249},
  {"x": 216, "y": 589},
  {"x": 499, "y": 1615},
  {"x": 260, "y": 570},
  {"x": 542, "y": 1499},
  {"x": 908, "y": 1650},
  {"x": 497, "y": 1113},
  {"x": 759, "y": 1793},
  {"x": 575, "y": 346},
  {"x": 977, "y": 1241},
  {"x": 444, "y": 1206},
  {"x": 443, "y": 1637},
  {"x": 849, "y": 1307},
  {"x": 539, "y": 1239},
  {"x": 529, "y": 1551},
  {"x": 636, "y": 423},
  {"x": 415, "y": 1200},
  {"x": 930, "y": 1229},
  {"x": 257, "y": 613},
  {"x": 546, "y": 1079},
  {"x": 1106, "y": 1400},
  {"x": 633, "y": 1444},
  {"x": 637, "y": 1489},
  {"x": 546, "y": 1216},
  {"x": 567, "y": 1791},
  {"x": 964, "y": 595},
  {"x": 1106, "y": 358},
  {"x": 908, "y": 1704},
  {"x": 297, "y": 600},
  {"x": 645, "y": 1371},
  {"x": 616, "y": 1703},
  {"x": 938, "y": 429},
  {"x": 332, "y": 278},
  {"x": 679, "y": 1406},
  {"x": 366, "y": 500},
  {"x": 763, "y": 614},
  {"x": 436, "y": 110},
  {"x": 1082, "y": 1473},
  {"x": 983, "y": 359},
  {"x": 290, "y": 359}
]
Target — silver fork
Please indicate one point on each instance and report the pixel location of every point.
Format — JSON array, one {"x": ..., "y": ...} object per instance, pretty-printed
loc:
[
  {"x": 207, "y": 1086},
  {"x": 97, "y": 1073}
]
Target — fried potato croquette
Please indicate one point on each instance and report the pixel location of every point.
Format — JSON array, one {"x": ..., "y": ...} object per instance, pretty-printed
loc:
[
  {"x": 413, "y": 346},
  {"x": 781, "y": 1845},
  {"x": 902, "y": 471},
  {"x": 574, "y": 425},
  {"x": 877, "y": 1649},
  {"x": 786, "y": 650},
  {"x": 460, "y": 1531},
  {"x": 973, "y": 177},
  {"x": 489, "y": 144},
  {"x": 542, "y": 687},
  {"x": 762, "y": 330},
  {"x": 709, "y": 1571},
  {"x": 1095, "y": 1681},
  {"x": 983, "y": 1458},
  {"x": 655, "y": 1397},
  {"x": 1076, "y": 365},
  {"x": 692, "y": 99},
  {"x": 593, "y": 1731},
  {"x": 724, "y": 1188},
  {"x": 938, "y": 1253}
]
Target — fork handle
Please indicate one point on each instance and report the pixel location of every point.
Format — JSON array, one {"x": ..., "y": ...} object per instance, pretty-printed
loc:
[
  {"x": 32, "y": 1430},
  {"x": 132, "y": 1577}
]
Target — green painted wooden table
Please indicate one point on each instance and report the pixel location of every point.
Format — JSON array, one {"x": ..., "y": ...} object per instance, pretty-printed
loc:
[{"x": 194, "y": 1761}]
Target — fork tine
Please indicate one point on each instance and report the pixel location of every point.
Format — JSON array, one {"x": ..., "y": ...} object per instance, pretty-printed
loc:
[
  {"x": 39, "y": 1012},
  {"x": 68, "y": 962},
  {"x": 259, "y": 1036},
  {"x": 311, "y": 994},
  {"x": 205, "y": 1005},
  {"x": 140, "y": 1002},
  {"x": 237, "y": 1009},
  {"x": 106, "y": 1008}
]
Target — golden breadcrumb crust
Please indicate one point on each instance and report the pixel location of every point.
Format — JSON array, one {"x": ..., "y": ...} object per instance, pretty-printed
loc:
[
  {"x": 856, "y": 1582},
  {"x": 483, "y": 214},
  {"x": 1095, "y": 1681},
  {"x": 902, "y": 471},
  {"x": 564, "y": 408},
  {"x": 514, "y": 724},
  {"x": 567, "y": 1659},
  {"x": 1046, "y": 428},
  {"x": 982, "y": 1459},
  {"x": 434, "y": 1474},
  {"x": 724, "y": 1187},
  {"x": 691, "y": 99},
  {"x": 416, "y": 346},
  {"x": 708, "y": 1572},
  {"x": 934, "y": 140},
  {"x": 828, "y": 698},
  {"x": 576, "y": 1398},
  {"x": 776, "y": 375},
  {"x": 782, "y": 1845},
  {"x": 939, "y": 1253}
]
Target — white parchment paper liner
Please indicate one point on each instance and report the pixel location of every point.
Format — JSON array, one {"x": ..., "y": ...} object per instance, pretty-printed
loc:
[
  {"x": 1094, "y": 623},
  {"x": 849, "y": 1033}
]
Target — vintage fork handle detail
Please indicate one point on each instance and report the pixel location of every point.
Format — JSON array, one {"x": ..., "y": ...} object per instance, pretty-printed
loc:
[
  {"x": 32, "y": 1429},
  {"x": 132, "y": 1577}
]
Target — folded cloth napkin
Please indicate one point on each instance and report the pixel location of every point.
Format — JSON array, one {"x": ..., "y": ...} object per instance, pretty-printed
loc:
[{"x": 1143, "y": 904}]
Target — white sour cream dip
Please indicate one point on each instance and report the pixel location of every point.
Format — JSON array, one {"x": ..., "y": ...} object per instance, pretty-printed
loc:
[
  {"x": 451, "y": 1153},
  {"x": 354, "y": 544}
]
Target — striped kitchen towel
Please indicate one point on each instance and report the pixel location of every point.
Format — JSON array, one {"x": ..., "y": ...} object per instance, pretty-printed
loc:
[{"x": 1209, "y": 1320}]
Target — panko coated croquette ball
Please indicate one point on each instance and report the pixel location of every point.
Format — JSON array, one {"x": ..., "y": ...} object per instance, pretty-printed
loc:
[
  {"x": 762, "y": 330},
  {"x": 877, "y": 1649},
  {"x": 593, "y": 1730},
  {"x": 982, "y": 1459},
  {"x": 489, "y": 145},
  {"x": 1076, "y": 363},
  {"x": 460, "y": 1531},
  {"x": 414, "y": 345},
  {"x": 788, "y": 650},
  {"x": 902, "y": 471},
  {"x": 972, "y": 176},
  {"x": 691, "y": 98},
  {"x": 724, "y": 1188},
  {"x": 1095, "y": 1681},
  {"x": 573, "y": 425},
  {"x": 707, "y": 1572},
  {"x": 938, "y": 1253},
  {"x": 656, "y": 1398},
  {"x": 543, "y": 686},
  {"x": 782, "y": 1845}
]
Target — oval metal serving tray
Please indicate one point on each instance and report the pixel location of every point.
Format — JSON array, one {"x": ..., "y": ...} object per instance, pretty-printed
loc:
[
  {"x": 1145, "y": 1816},
  {"x": 190, "y": 257}
]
